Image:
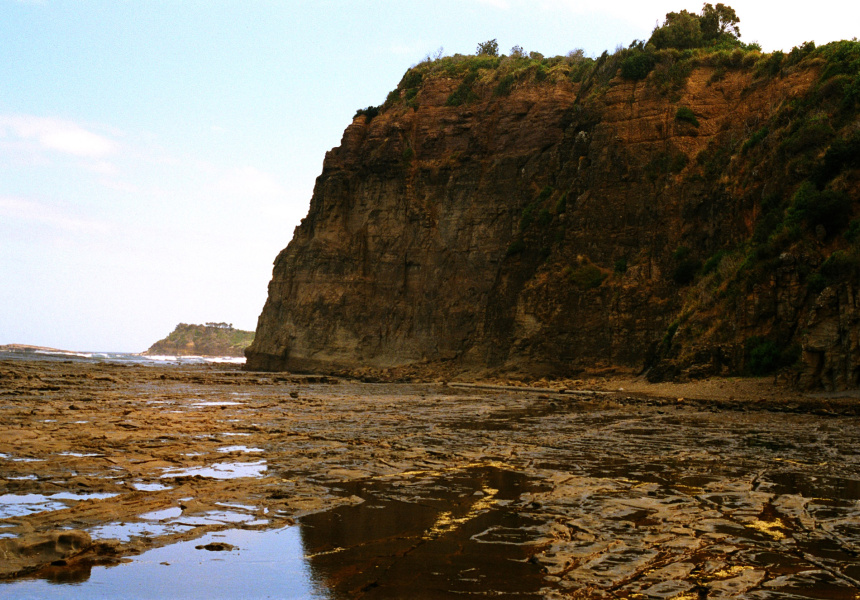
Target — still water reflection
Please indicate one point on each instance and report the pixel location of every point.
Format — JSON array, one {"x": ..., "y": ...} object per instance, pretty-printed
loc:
[
  {"x": 264, "y": 564},
  {"x": 431, "y": 538}
]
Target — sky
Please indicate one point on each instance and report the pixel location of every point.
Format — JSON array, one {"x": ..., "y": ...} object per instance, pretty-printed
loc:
[{"x": 156, "y": 155}]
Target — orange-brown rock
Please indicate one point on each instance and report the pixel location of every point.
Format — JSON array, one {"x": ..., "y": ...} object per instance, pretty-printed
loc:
[{"x": 542, "y": 231}]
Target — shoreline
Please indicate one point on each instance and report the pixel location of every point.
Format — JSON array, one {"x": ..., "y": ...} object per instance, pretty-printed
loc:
[
  {"x": 135, "y": 458},
  {"x": 724, "y": 392}
]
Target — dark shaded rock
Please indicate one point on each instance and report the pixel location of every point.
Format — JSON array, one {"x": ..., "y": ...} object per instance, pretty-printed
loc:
[
  {"x": 29, "y": 552},
  {"x": 216, "y": 547}
]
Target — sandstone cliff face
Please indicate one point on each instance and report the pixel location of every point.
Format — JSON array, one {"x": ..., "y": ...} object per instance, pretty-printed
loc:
[{"x": 546, "y": 231}]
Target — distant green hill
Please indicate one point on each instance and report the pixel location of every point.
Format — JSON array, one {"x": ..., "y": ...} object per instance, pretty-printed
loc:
[{"x": 211, "y": 339}]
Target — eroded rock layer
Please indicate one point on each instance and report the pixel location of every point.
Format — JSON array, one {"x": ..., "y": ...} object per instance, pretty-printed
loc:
[{"x": 546, "y": 226}]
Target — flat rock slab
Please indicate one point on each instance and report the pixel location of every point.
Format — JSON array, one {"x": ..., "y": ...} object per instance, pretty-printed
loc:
[{"x": 32, "y": 551}]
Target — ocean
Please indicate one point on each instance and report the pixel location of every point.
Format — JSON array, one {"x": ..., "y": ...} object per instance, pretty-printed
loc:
[{"x": 51, "y": 354}]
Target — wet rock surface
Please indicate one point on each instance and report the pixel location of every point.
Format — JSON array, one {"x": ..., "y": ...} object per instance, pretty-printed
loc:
[
  {"x": 566, "y": 496},
  {"x": 37, "y": 549}
]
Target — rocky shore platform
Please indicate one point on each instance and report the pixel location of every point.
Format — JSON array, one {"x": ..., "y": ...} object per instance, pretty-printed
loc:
[{"x": 603, "y": 487}]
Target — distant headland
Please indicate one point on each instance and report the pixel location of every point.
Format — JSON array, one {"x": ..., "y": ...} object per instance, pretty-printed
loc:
[
  {"x": 24, "y": 348},
  {"x": 210, "y": 339}
]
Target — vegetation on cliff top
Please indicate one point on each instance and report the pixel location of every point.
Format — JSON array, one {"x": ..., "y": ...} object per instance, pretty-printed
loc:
[
  {"x": 211, "y": 339},
  {"x": 684, "y": 40}
]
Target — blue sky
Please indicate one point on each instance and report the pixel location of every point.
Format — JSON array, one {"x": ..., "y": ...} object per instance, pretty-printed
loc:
[{"x": 155, "y": 155}]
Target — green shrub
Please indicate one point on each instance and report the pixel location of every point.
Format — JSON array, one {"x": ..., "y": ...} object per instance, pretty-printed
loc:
[
  {"x": 637, "y": 64},
  {"x": 767, "y": 223},
  {"x": 842, "y": 58},
  {"x": 798, "y": 53},
  {"x": 736, "y": 59},
  {"x": 476, "y": 63},
  {"x": 833, "y": 88},
  {"x": 755, "y": 139},
  {"x": 712, "y": 263},
  {"x": 680, "y": 253},
  {"x": 464, "y": 93},
  {"x": 809, "y": 135},
  {"x": 544, "y": 217},
  {"x": 581, "y": 70},
  {"x": 671, "y": 330},
  {"x": 392, "y": 98},
  {"x": 561, "y": 205},
  {"x": 851, "y": 96},
  {"x": 829, "y": 208},
  {"x": 770, "y": 65},
  {"x": 587, "y": 276},
  {"x": 715, "y": 159},
  {"x": 664, "y": 164},
  {"x": 686, "y": 114},
  {"x": 528, "y": 217},
  {"x": 842, "y": 154},
  {"x": 516, "y": 247},
  {"x": 853, "y": 233},
  {"x": 369, "y": 113},
  {"x": 620, "y": 265},
  {"x": 764, "y": 356},
  {"x": 545, "y": 193},
  {"x": 671, "y": 73},
  {"x": 412, "y": 79},
  {"x": 713, "y": 27},
  {"x": 751, "y": 58},
  {"x": 680, "y": 30},
  {"x": 505, "y": 85},
  {"x": 408, "y": 153}
]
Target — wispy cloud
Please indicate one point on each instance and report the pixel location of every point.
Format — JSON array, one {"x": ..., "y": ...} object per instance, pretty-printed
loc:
[
  {"x": 27, "y": 211},
  {"x": 57, "y": 135}
]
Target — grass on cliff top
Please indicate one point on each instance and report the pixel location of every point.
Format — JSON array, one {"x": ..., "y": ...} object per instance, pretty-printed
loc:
[
  {"x": 666, "y": 69},
  {"x": 665, "y": 60}
]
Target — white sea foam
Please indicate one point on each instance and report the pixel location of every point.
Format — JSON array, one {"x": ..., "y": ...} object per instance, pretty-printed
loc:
[
  {"x": 122, "y": 357},
  {"x": 236, "y": 360},
  {"x": 64, "y": 353}
]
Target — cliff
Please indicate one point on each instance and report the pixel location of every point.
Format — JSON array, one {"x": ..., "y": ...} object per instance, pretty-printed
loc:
[
  {"x": 551, "y": 216},
  {"x": 212, "y": 339}
]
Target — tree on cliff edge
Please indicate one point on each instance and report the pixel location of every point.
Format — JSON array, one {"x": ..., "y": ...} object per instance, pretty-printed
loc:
[
  {"x": 488, "y": 48},
  {"x": 718, "y": 22},
  {"x": 685, "y": 30}
]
